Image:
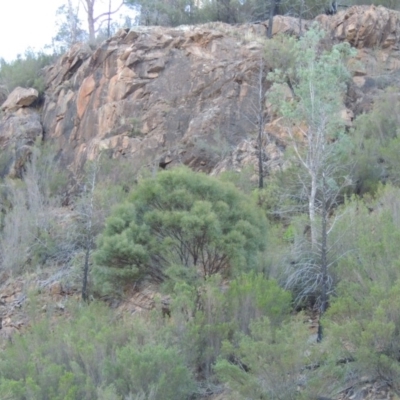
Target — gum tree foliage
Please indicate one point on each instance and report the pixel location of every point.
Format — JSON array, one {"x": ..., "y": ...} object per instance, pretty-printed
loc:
[
  {"x": 182, "y": 221},
  {"x": 178, "y": 12},
  {"x": 319, "y": 147},
  {"x": 69, "y": 26}
]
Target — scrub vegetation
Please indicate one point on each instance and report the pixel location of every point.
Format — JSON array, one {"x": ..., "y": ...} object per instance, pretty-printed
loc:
[{"x": 244, "y": 268}]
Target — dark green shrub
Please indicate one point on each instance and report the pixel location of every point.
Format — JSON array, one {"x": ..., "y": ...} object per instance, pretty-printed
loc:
[{"x": 180, "y": 218}]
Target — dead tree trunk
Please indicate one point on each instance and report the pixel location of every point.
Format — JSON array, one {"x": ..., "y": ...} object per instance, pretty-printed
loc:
[
  {"x": 87, "y": 215},
  {"x": 260, "y": 124},
  {"x": 274, "y": 10}
]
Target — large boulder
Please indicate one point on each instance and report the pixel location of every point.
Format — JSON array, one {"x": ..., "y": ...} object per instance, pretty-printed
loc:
[
  {"x": 365, "y": 27},
  {"x": 18, "y": 133},
  {"x": 20, "y": 97}
]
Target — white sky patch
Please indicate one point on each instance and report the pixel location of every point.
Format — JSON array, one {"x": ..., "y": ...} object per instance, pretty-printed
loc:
[{"x": 31, "y": 24}]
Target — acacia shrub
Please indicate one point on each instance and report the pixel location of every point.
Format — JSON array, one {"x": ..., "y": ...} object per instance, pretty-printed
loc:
[
  {"x": 363, "y": 321},
  {"x": 95, "y": 357},
  {"x": 268, "y": 363},
  {"x": 214, "y": 312},
  {"x": 184, "y": 221}
]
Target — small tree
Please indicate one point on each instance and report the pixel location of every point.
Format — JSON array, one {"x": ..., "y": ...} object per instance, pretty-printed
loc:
[
  {"x": 254, "y": 111},
  {"x": 181, "y": 220},
  {"x": 316, "y": 134},
  {"x": 87, "y": 217}
]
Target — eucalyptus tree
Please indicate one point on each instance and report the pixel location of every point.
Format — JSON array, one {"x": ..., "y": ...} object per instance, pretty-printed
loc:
[
  {"x": 95, "y": 21},
  {"x": 318, "y": 145}
]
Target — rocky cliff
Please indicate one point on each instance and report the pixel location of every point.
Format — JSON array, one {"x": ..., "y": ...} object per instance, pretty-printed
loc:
[{"x": 184, "y": 95}]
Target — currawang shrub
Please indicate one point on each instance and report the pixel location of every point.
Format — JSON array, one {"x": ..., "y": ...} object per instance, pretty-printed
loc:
[
  {"x": 215, "y": 311},
  {"x": 269, "y": 363},
  {"x": 181, "y": 221}
]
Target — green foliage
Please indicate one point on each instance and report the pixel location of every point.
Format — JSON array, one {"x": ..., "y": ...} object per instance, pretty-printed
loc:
[
  {"x": 364, "y": 323},
  {"x": 318, "y": 144},
  {"x": 69, "y": 29},
  {"x": 327, "y": 71},
  {"x": 180, "y": 218},
  {"x": 94, "y": 354},
  {"x": 25, "y": 71},
  {"x": 370, "y": 232},
  {"x": 251, "y": 296},
  {"x": 243, "y": 180},
  {"x": 376, "y": 139},
  {"x": 214, "y": 148},
  {"x": 393, "y": 4},
  {"x": 281, "y": 53},
  {"x": 363, "y": 320},
  {"x": 206, "y": 316},
  {"x": 135, "y": 127},
  {"x": 178, "y": 12},
  {"x": 268, "y": 363},
  {"x": 308, "y": 94},
  {"x": 95, "y": 357}
]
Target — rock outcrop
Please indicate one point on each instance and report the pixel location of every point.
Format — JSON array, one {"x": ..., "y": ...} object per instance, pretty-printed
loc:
[
  {"x": 185, "y": 94},
  {"x": 3, "y": 94},
  {"x": 18, "y": 133},
  {"x": 152, "y": 93},
  {"x": 19, "y": 98}
]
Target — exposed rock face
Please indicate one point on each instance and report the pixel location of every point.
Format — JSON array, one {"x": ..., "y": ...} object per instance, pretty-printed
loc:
[
  {"x": 375, "y": 33},
  {"x": 365, "y": 27},
  {"x": 154, "y": 92},
  {"x": 185, "y": 94},
  {"x": 20, "y": 97},
  {"x": 18, "y": 132}
]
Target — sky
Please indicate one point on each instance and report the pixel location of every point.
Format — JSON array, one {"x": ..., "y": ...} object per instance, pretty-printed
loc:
[{"x": 30, "y": 24}]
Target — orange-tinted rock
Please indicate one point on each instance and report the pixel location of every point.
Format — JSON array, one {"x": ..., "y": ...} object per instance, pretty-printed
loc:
[
  {"x": 56, "y": 288},
  {"x": 20, "y": 97},
  {"x": 189, "y": 90},
  {"x": 86, "y": 89}
]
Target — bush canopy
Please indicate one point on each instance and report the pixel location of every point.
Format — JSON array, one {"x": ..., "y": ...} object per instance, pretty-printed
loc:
[{"x": 182, "y": 221}]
